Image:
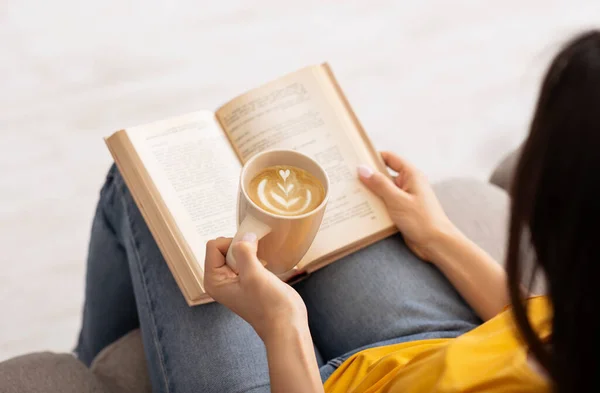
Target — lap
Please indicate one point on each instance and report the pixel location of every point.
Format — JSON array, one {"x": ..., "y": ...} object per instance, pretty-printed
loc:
[
  {"x": 379, "y": 294},
  {"x": 385, "y": 294}
]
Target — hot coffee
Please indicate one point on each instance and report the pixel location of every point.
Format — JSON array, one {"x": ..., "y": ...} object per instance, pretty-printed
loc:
[{"x": 286, "y": 190}]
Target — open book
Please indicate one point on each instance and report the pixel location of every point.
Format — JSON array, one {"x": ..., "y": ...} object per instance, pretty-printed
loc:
[{"x": 183, "y": 172}]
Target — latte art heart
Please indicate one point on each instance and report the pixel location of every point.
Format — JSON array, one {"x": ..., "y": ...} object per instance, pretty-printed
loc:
[
  {"x": 284, "y": 174},
  {"x": 286, "y": 190}
]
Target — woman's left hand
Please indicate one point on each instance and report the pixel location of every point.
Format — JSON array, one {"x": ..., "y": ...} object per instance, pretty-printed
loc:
[
  {"x": 255, "y": 294},
  {"x": 411, "y": 204}
]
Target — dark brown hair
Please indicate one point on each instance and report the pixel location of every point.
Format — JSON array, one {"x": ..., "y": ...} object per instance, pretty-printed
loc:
[{"x": 556, "y": 212}]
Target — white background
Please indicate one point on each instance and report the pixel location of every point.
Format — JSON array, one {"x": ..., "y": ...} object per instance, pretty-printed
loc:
[{"x": 448, "y": 84}]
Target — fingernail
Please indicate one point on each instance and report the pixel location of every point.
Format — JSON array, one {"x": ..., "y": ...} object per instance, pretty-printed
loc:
[
  {"x": 249, "y": 237},
  {"x": 365, "y": 171}
]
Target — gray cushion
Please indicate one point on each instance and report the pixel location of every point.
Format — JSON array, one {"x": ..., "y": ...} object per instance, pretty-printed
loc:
[
  {"x": 482, "y": 212},
  {"x": 479, "y": 210},
  {"x": 503, "y": 177},
  {"x": 503, "y": 174},
  {"x": 122, "y": 365},
  {"x": 47, "y": 372}
]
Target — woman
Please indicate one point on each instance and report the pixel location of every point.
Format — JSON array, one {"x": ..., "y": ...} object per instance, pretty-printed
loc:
[{"x": 402, "y": 324}]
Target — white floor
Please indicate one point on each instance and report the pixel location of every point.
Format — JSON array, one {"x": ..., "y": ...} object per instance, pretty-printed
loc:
[{"x": 450, "y": 85}]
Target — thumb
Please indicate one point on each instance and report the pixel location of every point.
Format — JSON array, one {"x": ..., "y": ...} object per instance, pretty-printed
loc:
[
  {"x": 244, "y": 252},
  {"x": 380, "y": 184}
]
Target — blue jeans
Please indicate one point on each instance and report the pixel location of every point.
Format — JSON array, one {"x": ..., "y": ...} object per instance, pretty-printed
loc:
[{"x": 380, "y": 295}]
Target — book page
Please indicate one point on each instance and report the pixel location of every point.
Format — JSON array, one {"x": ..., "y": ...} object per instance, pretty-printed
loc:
[
  {"x": 194, "y": 168},
  {"x": 302, "y": 111}
]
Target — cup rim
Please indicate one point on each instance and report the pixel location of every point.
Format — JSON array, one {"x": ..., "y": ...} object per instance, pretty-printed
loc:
[{"x": 278, "y": 216}]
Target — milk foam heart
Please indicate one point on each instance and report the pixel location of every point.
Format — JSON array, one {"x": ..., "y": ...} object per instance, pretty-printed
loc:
[
  {"x": 286, "y": 190},
  {"x": 284, "y": 174}
]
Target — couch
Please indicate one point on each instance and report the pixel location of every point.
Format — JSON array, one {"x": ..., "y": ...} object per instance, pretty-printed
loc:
[{"x": 479, "y": 209}]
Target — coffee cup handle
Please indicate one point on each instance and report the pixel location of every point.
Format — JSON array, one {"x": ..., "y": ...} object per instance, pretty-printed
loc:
[{"x": 249, "y": 224}]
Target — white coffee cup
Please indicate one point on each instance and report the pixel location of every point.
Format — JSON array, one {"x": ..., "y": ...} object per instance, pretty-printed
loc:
[{"x": 282, "y": 240}]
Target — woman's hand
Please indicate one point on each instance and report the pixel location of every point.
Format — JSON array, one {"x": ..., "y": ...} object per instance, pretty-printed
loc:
[
  {"x": 428, "y": 232},
  {"x": 411, "y": 203},
  {"x": 273, "y": 308},
  {"x": 256, "y": 294}
]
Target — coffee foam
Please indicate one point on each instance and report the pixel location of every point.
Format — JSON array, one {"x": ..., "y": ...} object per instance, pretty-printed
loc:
[{"x": 286, "y": 190}]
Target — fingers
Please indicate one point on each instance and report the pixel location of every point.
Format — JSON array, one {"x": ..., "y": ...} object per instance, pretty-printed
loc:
[
  {"x": 222, "y": 244},
  {"x": 380, "y": 184},
  {"x": 408, "y": 177},
  {"x": 395, "y": 162},
  {"x": 403, "y": 181},
  {"x": 215, "y": 252},
  {"x": 244, "y": 253}
]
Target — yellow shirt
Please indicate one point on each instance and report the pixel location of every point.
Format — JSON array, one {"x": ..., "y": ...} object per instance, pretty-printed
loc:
[{"x": 489, "y": 358}]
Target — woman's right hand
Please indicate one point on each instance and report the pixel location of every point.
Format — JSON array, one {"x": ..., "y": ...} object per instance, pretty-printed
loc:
[
  {"x": 411, "y": 204},
  {"x": 273, "y": 308},
  {"x": 255, "y": 294}
]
